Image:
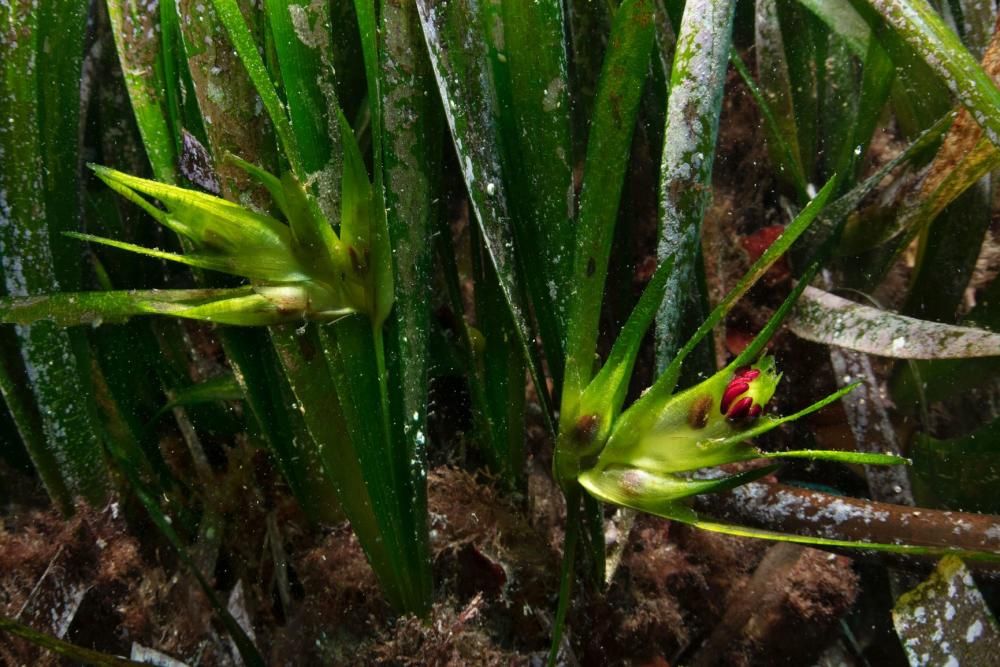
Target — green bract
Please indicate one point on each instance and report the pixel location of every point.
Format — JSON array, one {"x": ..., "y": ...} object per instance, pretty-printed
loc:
[
  {"x": 296, "y": 273},
  {"x": 652, "y": 449}
]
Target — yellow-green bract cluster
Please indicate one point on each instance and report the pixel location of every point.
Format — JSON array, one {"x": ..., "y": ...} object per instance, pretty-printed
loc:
[
  {"x": 299, "y": 268},
  {"x": 654, "y": 450},
  {"x": 688, "y": 432}
]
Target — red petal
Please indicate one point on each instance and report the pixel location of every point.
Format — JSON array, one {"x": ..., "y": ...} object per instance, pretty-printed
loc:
[
  {"x": 735, "y": 388},
  {"x": 740, "y": 409},
  {"x": 754, "y": 412}
]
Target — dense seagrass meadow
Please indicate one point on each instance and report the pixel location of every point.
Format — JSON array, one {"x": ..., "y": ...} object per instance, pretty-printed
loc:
[{"x": 499, "y": 332}]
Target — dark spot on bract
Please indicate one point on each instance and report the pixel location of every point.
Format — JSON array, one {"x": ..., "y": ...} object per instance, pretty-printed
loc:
[
  {"x": 585, "y": 429},
  {"x": 591, "y": 267},
  {"x": 698, "y": 412}
]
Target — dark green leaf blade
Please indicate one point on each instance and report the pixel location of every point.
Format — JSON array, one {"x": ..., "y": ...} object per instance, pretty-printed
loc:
[
  {"x": 529, "y": 64},
  {"x": 413, "y": 131},
  {"x": 302, "y": 42},
  {"x": 350, "y": 348},
  {"x": 462, "y": 72},
  {"x": 501, "y": 369},
  {"x": 40, "y": 182},
  {"x": 619, "y": 91}
]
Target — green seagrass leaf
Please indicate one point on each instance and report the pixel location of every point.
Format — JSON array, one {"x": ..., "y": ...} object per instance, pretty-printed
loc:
[
  {"x": 263, "y": 265},
  {"x": 916, "y": 22}
]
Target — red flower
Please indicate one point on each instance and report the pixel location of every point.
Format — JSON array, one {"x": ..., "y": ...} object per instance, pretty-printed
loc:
[{"x": 739, "y": 400}]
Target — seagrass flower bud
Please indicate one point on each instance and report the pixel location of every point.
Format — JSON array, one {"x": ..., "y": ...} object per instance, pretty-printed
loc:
[{"x": 748, "y": 391}]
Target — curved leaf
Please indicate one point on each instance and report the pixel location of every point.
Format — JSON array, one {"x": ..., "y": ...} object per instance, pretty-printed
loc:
[
  {"x": 925, "y": 31},
  {"x": 826, "y": 318}
]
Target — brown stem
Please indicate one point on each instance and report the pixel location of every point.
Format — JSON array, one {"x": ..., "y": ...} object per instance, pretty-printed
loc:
[{"x": 789, "y": 509}]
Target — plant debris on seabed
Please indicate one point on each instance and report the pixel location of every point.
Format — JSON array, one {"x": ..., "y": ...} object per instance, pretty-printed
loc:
[{"x": 89, "y": 581}]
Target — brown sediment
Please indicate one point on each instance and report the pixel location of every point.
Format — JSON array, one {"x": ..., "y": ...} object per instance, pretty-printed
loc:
[{"x": 789, "y": 607}]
